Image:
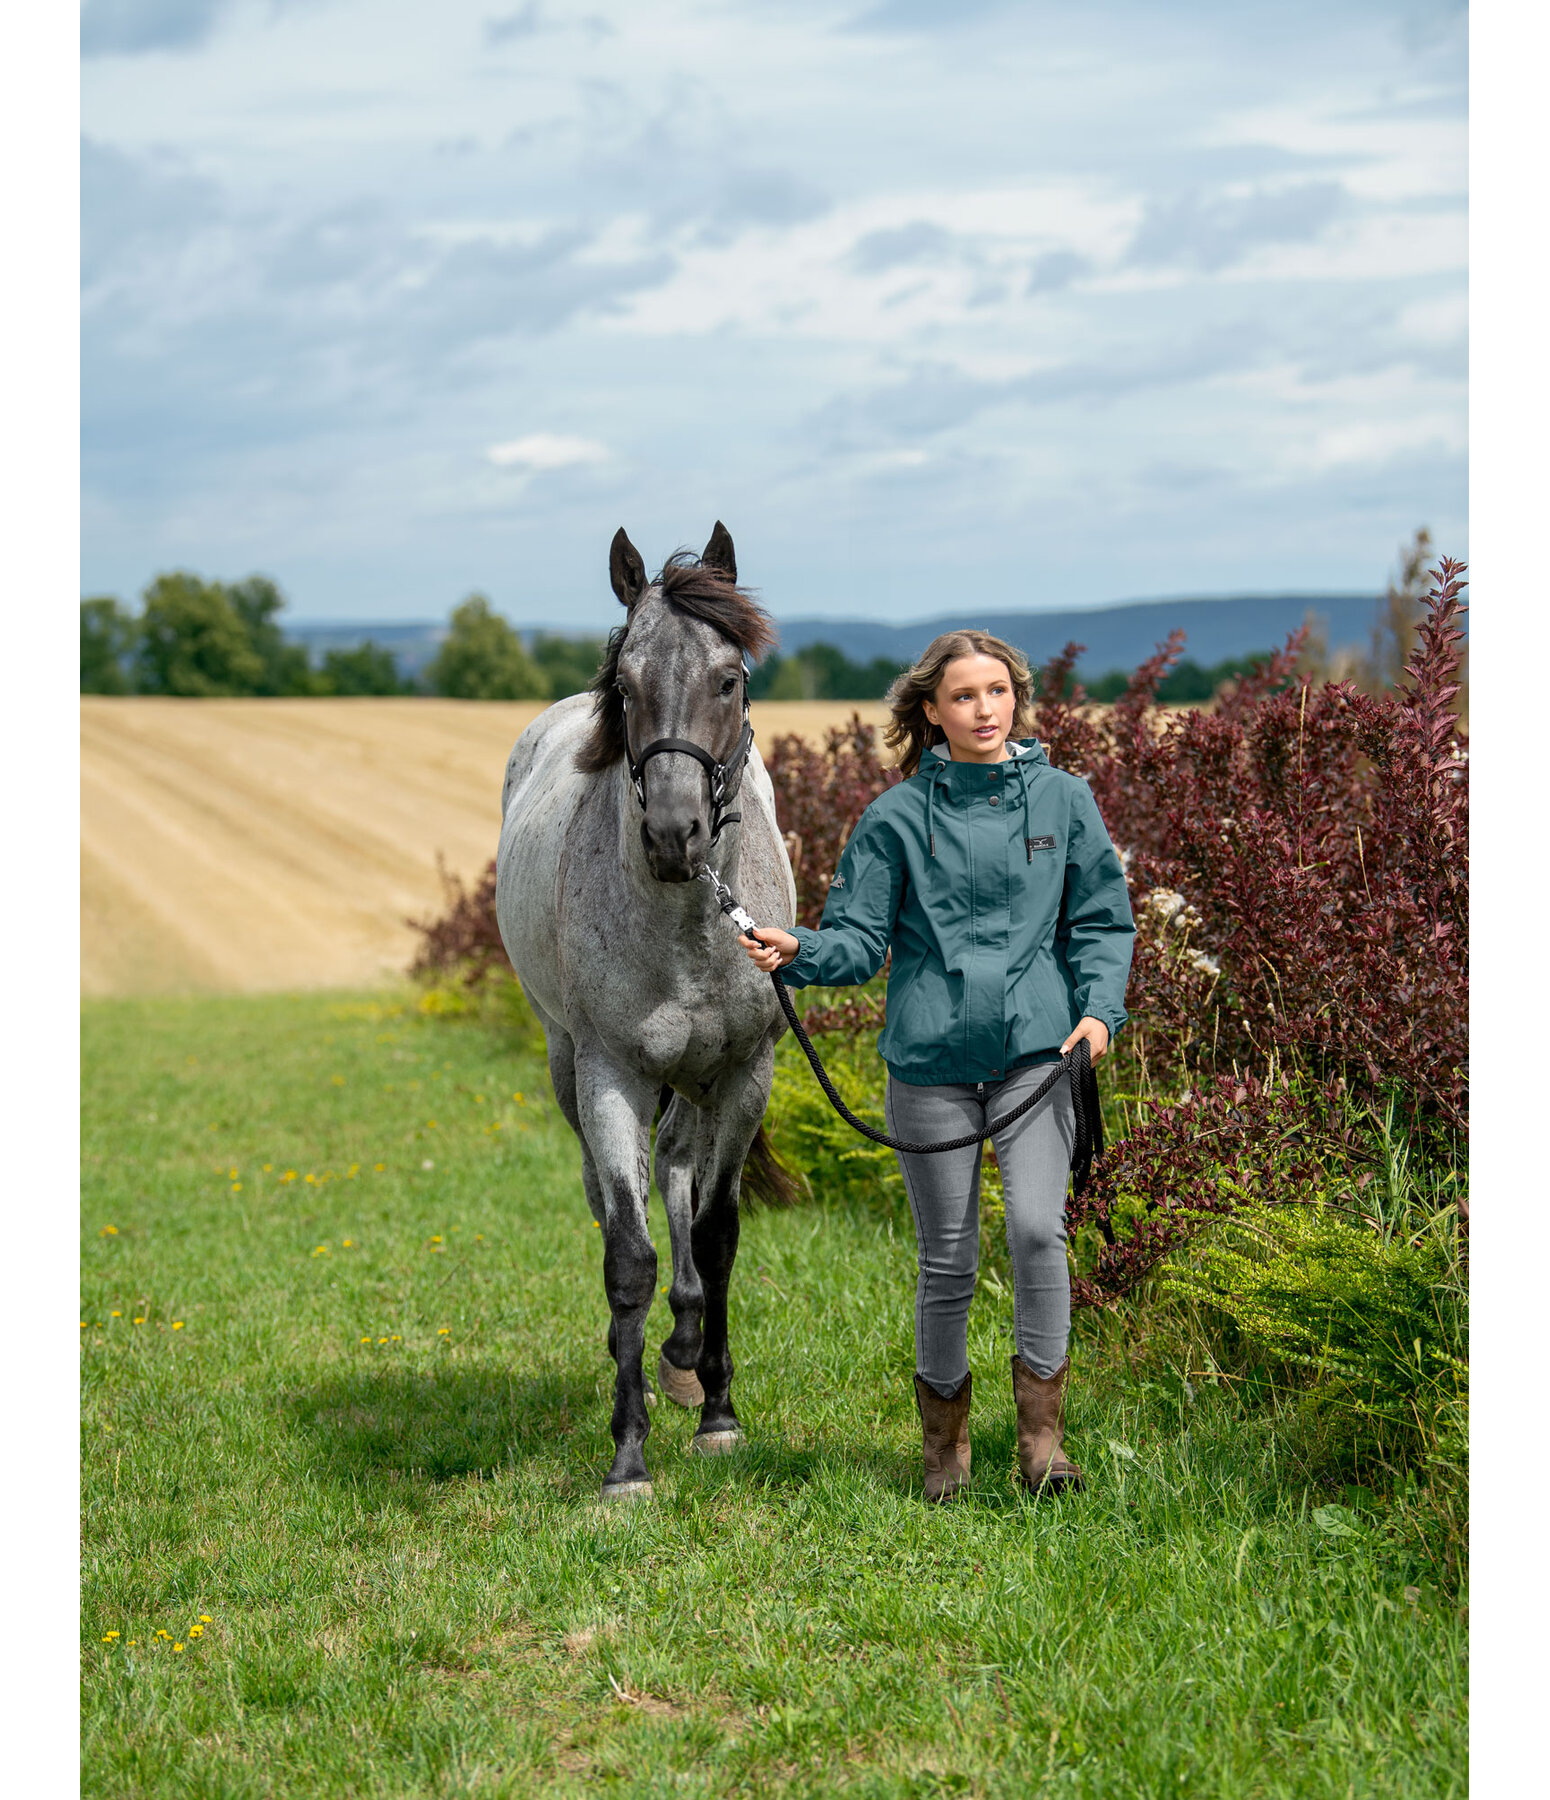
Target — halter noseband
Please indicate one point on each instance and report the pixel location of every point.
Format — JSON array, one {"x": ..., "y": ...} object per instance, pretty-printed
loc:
[{"x": 725, "y": 777}]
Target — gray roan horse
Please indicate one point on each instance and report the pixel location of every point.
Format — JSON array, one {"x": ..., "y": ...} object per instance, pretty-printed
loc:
[{"x": 644, "y": 995}]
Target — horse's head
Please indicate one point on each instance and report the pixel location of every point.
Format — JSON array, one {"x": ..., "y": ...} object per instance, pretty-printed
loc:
[{"x": 674, "y": 671}]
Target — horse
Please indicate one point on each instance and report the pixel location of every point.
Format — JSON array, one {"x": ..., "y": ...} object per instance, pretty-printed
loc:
[{"x": 614, "y": 802}]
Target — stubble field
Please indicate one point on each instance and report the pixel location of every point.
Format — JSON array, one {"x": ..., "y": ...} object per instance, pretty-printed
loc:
[{"x": 249, "y": 845}]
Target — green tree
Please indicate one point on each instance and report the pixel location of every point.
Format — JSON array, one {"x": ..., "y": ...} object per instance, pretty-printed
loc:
[
  {"x": 822, "y": 672},
  {"x": 369, "y": 668},
  {"x": 107, "y": 638},
  {"x": 482, "y": 658},
  {"x": 568, "y": 663},
  {"x": 287, "y": 669},
  {"x": 193, "y": 641}
]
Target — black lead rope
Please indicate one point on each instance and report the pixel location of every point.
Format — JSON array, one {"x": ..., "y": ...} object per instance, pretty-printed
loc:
[{"x": 1076, "y": 1067}]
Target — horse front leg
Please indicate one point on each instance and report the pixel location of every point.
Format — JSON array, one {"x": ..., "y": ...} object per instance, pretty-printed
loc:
[
  {"x": 615, "y": 1109},
  {"x": 735, "y": 1117}
]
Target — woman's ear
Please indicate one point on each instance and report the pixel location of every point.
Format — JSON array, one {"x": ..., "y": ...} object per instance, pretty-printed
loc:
[{"x": 930, "y": 711}]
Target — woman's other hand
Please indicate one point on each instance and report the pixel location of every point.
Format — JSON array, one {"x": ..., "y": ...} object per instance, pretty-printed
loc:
[
  {"x": 769, "y": 948},
  {"x": 1094, "y": 1030}
]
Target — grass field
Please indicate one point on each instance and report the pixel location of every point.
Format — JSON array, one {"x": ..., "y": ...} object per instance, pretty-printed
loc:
[
  {"x": 346, "y": 1415},
  {"x": 245, "y": 845}
]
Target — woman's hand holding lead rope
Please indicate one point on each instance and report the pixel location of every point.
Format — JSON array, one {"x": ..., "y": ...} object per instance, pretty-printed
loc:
[{"x": 776, "y": 949}]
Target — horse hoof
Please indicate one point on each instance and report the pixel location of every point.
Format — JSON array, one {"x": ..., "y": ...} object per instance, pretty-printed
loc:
[
  {"x": 715, "y": 1443},
  {"x": 626, "y": 1490},
  {"x": 680, "y": 1385}
]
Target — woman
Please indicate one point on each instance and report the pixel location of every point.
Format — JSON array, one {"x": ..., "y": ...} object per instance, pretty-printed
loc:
[{"x": 991, "y": 877}]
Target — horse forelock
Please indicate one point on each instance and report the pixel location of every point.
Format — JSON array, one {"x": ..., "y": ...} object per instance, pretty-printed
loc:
[{"x": 697, "y": 590}]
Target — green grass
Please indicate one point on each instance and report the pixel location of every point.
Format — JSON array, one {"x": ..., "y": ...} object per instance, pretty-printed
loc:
[{"x": 412, "y": 1588}]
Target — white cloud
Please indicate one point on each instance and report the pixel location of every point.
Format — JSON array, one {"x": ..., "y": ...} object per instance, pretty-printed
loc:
[{"x": 546, "y": 450}]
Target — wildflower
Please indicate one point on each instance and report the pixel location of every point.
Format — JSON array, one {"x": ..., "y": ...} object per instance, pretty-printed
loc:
[
  {"x": 134, "y": 1643},
  {"x": 195, "y": 1631},
  {"x": 108, "y": 1636},
  {"x": 177, "y": 1649},
  {"x": 396, "y": 1338},
  {"x": 478, "y": 1099},
  {"x": 163, "y": 1634},
  {"x": 115, "y": 1314},
  {"x": 596, "y": 1226},
  {"x": 443, "y": 1331},
  {"x": 430, "y": 1124},
  {"x": 427, "y": 1164},
  {"x": 349, "y": 1243},
  {"x": 436, "y": 1240},
  {"x": 353, "y": 1170},
  {"x": 379, "y": 1167},
  {"x": 140, "y": 1320},
  {"x": 381, "y": 1340},
  {"x": 177, "y": 1324},
  {"x": 205, "y": 1619},
  {"x": 108, "y": 1231},
  {"x": 83, "y": 1324},
  {"x": 337, "y": 1080},
  {"x": 311, "y": 1177},
  {"x": 322, "y": 1250},
  {"x": 232, "y": 1174},
  {"x": 268, "y": 1167},
  {"x": 365, "y": 1340},
  {"x": 478, "y": 1237},
  {"x": 289, "y": 1175},
  {"x": 519, "y": 1100},
  {"x": 236, "y": 1187}
]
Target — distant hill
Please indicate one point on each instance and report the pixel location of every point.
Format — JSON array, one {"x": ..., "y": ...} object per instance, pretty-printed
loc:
[{"x": 1117, "y": 637}]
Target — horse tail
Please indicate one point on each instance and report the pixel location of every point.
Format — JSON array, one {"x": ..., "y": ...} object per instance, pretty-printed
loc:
[{"x": 767, "y": 1178}]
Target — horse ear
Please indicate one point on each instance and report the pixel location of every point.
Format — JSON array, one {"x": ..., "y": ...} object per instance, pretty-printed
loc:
[
  {"x": 719, "y": 553},
  {"x": 626, "y": 571}
]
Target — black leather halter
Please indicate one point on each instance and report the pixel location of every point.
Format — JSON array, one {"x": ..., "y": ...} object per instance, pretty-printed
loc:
[{"x": 725, "y": 777}]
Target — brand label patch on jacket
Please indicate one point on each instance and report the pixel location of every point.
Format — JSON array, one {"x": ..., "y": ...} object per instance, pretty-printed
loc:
[
  {"x": 839, "y": 880},
  {"x": 1041, "y": 843}
]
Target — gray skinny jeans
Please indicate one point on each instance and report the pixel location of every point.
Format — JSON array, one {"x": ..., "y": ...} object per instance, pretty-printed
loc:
[{"x": 944, "y": 1195}]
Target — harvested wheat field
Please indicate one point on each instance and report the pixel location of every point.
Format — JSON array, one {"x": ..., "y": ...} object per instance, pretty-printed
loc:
[{"x": 242, "y": 845}]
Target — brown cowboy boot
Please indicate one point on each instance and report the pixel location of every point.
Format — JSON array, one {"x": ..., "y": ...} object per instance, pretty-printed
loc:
[
  {"x": 1040, "y": 1428},
  {"x": 945, "y": 1424}
]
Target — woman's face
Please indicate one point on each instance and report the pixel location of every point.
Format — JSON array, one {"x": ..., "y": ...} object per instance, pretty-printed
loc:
[{"x": 974, "y": 704}]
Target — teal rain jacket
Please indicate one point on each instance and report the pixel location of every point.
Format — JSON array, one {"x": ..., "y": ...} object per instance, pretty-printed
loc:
[{"x": 1002, "y": 897}]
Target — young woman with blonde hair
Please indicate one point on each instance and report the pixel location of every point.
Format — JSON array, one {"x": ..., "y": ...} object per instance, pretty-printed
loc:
[{"x": 990, "y": 876}]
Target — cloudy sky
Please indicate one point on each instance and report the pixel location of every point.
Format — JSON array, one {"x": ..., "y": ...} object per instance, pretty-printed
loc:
[{"x": 940, "y": 306}]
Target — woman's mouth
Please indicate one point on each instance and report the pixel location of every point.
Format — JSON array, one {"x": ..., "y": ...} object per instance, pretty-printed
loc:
[{"x": 984, "y": 731}]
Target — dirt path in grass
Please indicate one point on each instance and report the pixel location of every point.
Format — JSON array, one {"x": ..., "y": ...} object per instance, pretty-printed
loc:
[{"x": 240, "y": 845}]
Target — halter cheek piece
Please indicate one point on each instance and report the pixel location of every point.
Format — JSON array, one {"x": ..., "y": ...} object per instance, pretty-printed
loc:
[{"x": 725, "y": 777}]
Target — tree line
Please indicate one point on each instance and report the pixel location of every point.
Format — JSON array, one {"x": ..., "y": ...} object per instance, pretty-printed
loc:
[{"x": 214, "y": 639}]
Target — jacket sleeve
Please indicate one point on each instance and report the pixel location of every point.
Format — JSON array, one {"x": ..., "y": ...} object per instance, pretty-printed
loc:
[
  {"x": 1096, "y": 933},
  {"x": 852, "y": 938}
]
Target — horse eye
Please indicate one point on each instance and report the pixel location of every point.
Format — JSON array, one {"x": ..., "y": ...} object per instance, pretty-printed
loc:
[
  {"x": 728, "y": 685},
  {"x": 622, "y": 691}
]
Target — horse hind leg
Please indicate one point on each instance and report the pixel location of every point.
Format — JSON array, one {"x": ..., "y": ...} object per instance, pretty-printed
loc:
[{"x": 677, "y": 1364}]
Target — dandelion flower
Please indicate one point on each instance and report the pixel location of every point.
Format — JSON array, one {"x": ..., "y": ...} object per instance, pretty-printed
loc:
[
  {"x": 396, "y": 1338},
  {"x": 379, "y": 1167},
  {"x": 519, "y": 1100},
  {"x": 478, "y": 1237},
  {"x": 83, "y": 1325},
  {"x": 163, "y": 1634},
  {"x": 115, "y": 1314},
  {"x": 108, "y": 1231},
  {"x": 268, "y": 1167},
  {"x": 195, "y": 1631},
  {"x": 232, "y": 1174},
  {"x": 337, "y": 1080},
  {"x": 236, "y": 1187},
  {"x": 108, "y": 1636},
  {"x": 436, "y": 1240},
  {"x": 349, "y": 1243},
  {"x": 311, "y": 1177},
  {"x": 443, "y": 1331},
  {"x": 140, "y": 1320},
  {"x": 381, "y": 1340},
  {"x": 177, "y": 1324},
  {"x": 177, "y": 1649},
  {"x": 430, "y": 1124},
  {"x": 596, "y": 1226},
  {"x": 205, "y": 1619},
  {"x": 365, "y": 1340},
  {"x": 134, "y": 1643}
]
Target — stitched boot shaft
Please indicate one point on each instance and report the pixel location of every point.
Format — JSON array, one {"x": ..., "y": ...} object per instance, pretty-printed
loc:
[
  {"x": 945, "y": 1424},
  {"x": 1041, "y": 1428}
]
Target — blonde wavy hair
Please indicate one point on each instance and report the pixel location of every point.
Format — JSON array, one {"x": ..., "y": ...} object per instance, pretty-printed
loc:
[{"x": 910, "y": 733}]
